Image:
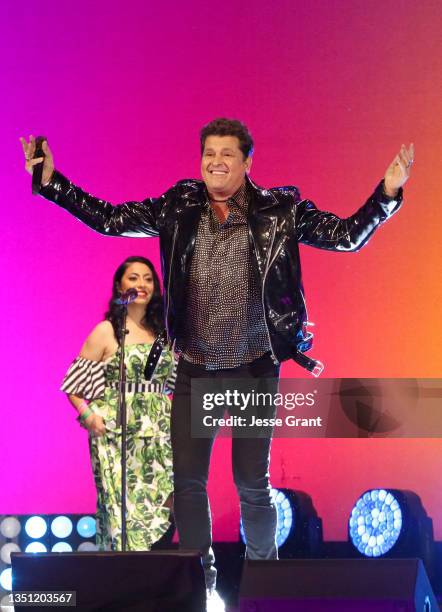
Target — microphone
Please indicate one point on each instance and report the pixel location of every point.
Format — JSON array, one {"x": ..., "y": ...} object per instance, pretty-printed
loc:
[
  {"x": 37, "y": 170},
  {"x": 127, "y": 297}
]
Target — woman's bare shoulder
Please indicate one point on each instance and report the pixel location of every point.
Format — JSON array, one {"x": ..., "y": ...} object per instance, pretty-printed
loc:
[{"x": 100, "y": 342}]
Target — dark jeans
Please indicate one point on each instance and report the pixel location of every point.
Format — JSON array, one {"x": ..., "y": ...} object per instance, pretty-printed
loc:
[{"x": 250, "y": 459}]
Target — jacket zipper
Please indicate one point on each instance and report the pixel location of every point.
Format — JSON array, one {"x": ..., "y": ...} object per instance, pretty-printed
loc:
[
  {"x": 275, "y": 361},
  {"x": 170, "y": 278}
]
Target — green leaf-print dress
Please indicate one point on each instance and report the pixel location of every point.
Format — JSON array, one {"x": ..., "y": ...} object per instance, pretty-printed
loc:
[{"x": 149, "y": 452}]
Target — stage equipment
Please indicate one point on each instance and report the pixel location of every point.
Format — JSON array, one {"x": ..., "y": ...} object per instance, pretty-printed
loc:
[
  {"x": 163, "y": 581},
  {"x": 124, "y": 300},
  {"x": 39, "y": 534},
  {"x": 299, "y": 531},
  {"x": 336, "y": 585},
  {"x": 392, "y": 523}
]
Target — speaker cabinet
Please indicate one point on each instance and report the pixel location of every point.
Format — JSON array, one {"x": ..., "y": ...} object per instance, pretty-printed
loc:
[
  {"x": 317, "y": 585},
  {"x": 162, "y": 581}
]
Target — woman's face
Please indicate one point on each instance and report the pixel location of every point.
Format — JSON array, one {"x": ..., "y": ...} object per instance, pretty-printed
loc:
[{"x": 139, "y": 276}]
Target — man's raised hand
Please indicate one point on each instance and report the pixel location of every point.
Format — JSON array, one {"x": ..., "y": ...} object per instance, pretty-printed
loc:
[
  {"x": 48, "y": 160},
  {"x": 398, "y": 172}
]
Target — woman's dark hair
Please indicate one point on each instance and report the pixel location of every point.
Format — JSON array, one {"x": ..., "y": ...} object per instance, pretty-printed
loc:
[
  {"x": 153, "y": 319},
  {"x": 228, "y": 127}
]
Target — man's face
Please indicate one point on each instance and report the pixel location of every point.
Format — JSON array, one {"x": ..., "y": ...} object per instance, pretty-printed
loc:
[{"x": 223, "y": 166}]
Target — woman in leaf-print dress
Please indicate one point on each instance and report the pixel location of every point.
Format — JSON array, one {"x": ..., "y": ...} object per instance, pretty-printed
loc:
[{"x": 92, "y": 382}]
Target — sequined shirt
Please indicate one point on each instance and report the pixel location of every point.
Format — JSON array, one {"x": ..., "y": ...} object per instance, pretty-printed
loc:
[{"x": 224, "y": 324}]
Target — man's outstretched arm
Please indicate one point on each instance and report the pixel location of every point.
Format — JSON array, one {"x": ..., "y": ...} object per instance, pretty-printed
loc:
[
  {"x": 134, "y": 219},
  {"x": 325, "y": 230}
]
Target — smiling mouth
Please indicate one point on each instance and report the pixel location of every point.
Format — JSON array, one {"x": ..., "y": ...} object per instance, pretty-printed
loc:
[{"x": 218, "y": 172}]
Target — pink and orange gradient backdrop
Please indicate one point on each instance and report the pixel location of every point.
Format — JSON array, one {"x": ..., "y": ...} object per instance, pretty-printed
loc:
[{"x": 329, "y": 90}]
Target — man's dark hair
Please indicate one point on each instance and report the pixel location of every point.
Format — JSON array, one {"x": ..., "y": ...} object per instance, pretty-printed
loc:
[{"x": 228, "y": 127}]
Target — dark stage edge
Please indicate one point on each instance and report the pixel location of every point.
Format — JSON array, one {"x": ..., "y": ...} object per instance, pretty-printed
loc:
[{"x": 230, "y": 556}]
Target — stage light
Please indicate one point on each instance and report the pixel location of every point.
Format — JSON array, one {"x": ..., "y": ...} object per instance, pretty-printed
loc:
[
  {"x": 392, "y": 523},
  {"x": 38, "y": 534},
  {"x": 10, "y": 531},
  {"x": 61, "y": 527},
  {"x": 6, "y": 550},
  {"x": 49, "y": 530},
  {"x": 10, "y": 527},
  {"x": 36, "y": 547},
  {"x": 285, "y": 514},
  {"x": 5, "y": 605},
  {"x": 87, "y": 547},
  {"x": 375, "y": 523},
  {"x": 6, "y": 579},
  {"x": 61, "y": 547},
  {"x": 299, "y": 530},
  {"x": 86, "y": 527},
  {"x": 36, "y": 527}
]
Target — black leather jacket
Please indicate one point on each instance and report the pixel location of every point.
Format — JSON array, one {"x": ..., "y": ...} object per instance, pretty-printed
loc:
[{"x": 278, "y": 221}]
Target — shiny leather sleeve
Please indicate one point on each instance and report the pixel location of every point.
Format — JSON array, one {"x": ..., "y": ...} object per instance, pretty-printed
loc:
[
  {"x": 132, "y": 219},
  {"x": 325, "y": 230}
]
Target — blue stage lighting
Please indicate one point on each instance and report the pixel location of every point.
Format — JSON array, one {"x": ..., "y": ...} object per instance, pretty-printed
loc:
[
  {"x": 86, "y": 527},
  {"x": 40, "y": 534},
  {"x": 376, "y": 522},
  {"x": 286, "y": 517},
  {"x": 36, "y": 547},
  {"x": 61, "y": 547},
  {"x": 61, "y": 527},
  {"x": 36, "y": 527},
  {"x": 299, "y": 530},
  {"x": 6, "y": 579},
  {"x": 392, "y": 523}
]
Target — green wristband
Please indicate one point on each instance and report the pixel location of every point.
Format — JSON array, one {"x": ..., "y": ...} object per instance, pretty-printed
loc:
[{"x": 84, "y": 415}]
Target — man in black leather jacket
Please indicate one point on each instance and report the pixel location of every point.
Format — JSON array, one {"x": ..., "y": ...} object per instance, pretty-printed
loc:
[{"x": 241, "y": 324}]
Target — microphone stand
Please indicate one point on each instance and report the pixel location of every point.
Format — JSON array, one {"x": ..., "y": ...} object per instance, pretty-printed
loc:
[{"x": 122, "y": 421}]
